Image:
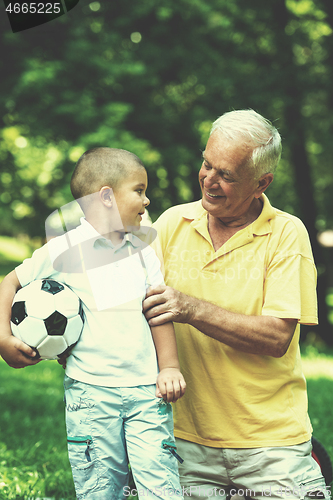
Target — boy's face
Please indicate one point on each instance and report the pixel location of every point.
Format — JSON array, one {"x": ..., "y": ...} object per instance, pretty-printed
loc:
[{"x": 131, "y": 198}]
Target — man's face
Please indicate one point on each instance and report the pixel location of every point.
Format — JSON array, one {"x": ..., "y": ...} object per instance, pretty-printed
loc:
[
  {"x": 227, "y": 184},
  {"x": 131, "y": 198}
]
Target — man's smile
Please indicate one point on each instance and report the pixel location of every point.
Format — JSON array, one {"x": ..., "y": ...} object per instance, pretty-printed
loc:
[{"x": 212, "y": 195}]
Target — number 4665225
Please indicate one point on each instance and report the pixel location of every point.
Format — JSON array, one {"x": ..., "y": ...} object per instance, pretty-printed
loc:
[{"x": 34, "y": 8}]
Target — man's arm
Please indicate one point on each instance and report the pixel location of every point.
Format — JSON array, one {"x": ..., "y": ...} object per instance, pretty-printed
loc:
[
  {"x": 16, "y": 353},
  {"x": 170, "y": 383},
  {"x": 262, "y": 335}
]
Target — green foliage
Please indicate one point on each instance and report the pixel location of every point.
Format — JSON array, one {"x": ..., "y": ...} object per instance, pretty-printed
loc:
[
  {"x": 150, "y": 77},
  {"x": 329, "y": 301},
  {"x": 13, "y": 251}
]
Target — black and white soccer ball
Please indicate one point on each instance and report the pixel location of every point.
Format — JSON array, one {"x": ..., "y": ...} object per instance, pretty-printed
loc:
[{"x": 48, "y": 316}]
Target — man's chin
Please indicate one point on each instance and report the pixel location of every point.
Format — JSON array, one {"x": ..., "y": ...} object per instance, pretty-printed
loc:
[{"x": 210, "y": 207}]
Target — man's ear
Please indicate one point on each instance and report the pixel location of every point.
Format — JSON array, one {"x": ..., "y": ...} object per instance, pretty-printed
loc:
[
  {"x": 263, "y": 183},
  {"x": 106, "y": 194}
]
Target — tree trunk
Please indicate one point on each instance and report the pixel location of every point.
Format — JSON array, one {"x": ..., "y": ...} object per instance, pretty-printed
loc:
[{"x": 295, "y": 125}]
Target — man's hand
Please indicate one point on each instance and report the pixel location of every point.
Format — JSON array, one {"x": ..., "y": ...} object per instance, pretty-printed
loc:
[
  {"x": 163, "y": 304},
  {"x": 170, "y": 385},
  {"x": 16, "y": 353}
]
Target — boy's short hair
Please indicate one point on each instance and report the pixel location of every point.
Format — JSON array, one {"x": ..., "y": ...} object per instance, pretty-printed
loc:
[{"x": 100, "y": 167}]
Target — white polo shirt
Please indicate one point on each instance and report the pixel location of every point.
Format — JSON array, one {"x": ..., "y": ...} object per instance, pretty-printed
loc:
[{"x": 116, "y": 348}]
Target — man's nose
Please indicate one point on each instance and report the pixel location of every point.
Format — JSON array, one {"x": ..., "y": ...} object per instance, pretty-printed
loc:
[{"x": 211, "y": 180}]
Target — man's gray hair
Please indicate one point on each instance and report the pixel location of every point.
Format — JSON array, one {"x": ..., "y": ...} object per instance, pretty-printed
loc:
[{"x": 255, "y": 130}]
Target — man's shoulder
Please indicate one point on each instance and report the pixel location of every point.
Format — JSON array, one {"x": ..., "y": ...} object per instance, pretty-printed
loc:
[
  {"x": 289, "y": 221},
  {"x": 290, "y": 234},
  {"x": 279, "y": 219}
]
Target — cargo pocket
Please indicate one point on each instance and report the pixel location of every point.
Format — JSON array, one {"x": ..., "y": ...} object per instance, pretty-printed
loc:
[
  {"x": 80, "y": 451},
  {"x": 83, "y": 443},
  {"x": 168, "y": 445},
  {"x": 170, "y": 466},
  {"x": 314, "y": 488}
]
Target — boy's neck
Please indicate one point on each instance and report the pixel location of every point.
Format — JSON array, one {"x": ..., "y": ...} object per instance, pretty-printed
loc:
[
  {"x": 111, "y": 230},
  {"x": 116, "y": 237},
  {"x": 105, "y": 221}
]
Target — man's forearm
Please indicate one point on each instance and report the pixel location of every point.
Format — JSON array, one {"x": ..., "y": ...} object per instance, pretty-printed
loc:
[{"x": 263, "y": 335}]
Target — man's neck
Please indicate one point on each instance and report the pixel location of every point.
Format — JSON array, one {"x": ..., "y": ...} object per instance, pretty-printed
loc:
[
  {"x": 222, "y": 229},
  {"x": 241, "y": 221}
]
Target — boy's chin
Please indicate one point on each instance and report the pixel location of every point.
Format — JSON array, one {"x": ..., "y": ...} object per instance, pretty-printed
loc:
[{"x": 131, "y": 229}]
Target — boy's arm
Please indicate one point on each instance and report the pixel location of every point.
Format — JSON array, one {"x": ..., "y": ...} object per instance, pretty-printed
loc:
[
  {"x": 16, "y": 353},
  {"x": 170, "y": 383}
]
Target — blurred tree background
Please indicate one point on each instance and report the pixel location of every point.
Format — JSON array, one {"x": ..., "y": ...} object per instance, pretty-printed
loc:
[{"x": 150, "y": 76}]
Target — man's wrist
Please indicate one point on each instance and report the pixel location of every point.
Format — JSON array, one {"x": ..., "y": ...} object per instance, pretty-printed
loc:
[{"x": 191, "y": 306}]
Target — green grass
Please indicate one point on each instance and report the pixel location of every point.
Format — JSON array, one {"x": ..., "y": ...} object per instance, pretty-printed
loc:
[
  {"x": 318, "y": 370},
  {"x": 33, "y": 446},
  {"x": 33, "y": 450}
]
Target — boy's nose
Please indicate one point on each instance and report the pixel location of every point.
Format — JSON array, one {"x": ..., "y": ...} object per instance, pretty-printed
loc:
[{"x": 146, "y": 202}]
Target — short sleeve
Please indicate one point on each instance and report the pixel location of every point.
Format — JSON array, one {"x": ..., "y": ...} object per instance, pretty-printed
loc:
[
  {"x": 290, "y": 290},
  {"x": 153, "y": 266},
  {"x": 38, "y": 266},
  {"x": 291, "y": 278}
]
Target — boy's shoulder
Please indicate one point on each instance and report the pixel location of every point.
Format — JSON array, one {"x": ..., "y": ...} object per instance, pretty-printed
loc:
[{"x": 144, "y": 237}]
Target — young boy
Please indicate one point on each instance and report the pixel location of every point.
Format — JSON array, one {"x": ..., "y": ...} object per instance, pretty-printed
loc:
[{"x": 117, "y": 396}]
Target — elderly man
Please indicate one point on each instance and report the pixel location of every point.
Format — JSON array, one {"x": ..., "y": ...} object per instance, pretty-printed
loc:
[{"x": 241, "y": 279}]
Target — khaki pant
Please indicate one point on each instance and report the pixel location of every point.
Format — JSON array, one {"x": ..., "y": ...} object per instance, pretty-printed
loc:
[{"x": 274, "y": 473}]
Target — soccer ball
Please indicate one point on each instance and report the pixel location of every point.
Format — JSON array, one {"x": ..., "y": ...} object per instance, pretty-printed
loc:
[{"x": 48, "y": 316}]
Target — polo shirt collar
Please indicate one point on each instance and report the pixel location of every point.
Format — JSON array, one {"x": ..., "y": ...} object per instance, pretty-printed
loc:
[
  {"x": 198, "y": 215},
  {"x": 262, "y": 224},
  {"x": 97, "y": 240}
]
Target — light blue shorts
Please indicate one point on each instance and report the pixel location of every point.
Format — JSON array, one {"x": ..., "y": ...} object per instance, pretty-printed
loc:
[{"x": 107, "y": 428}]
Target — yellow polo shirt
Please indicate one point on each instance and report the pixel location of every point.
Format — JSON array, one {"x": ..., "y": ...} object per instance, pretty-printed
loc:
[{"x": 234, "y": 399}]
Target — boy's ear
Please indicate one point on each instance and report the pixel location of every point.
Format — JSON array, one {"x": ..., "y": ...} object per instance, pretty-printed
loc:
[{"x": 105, "y": 194}]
